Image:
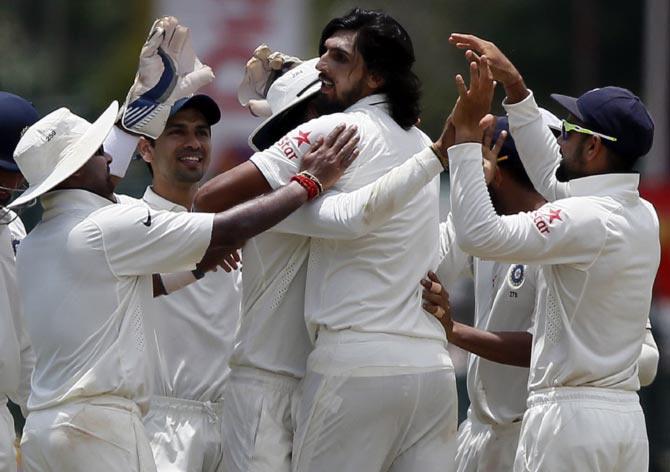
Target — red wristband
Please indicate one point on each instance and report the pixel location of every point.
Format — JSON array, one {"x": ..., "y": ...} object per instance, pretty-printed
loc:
[{"x": 308, "y": 184}]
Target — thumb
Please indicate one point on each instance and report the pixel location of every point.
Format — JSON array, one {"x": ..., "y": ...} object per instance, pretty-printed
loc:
[{"x": 195, "y": 80}]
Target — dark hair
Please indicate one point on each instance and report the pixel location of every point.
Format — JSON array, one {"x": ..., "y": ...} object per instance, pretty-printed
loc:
[{"x": 387, "y": 50}]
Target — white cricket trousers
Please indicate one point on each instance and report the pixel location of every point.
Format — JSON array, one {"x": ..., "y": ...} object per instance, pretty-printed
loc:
[
  {"x": 7, "y": 438},
  {"x": 484, "y": 447},
  {"x": 396, "y": 418},
  {"x": 583, "y": 428},
  {"x": 101, "y": 434},
  {"x": 257, "y": 420},
  {"x": 185, "y": 435}
]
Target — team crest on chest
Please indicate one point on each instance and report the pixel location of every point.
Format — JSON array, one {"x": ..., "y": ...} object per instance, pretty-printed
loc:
[{"x": 516, "y": 276}]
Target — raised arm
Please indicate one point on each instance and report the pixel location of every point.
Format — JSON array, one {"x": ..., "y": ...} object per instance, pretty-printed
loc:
[{"x": 536, "y": 145}]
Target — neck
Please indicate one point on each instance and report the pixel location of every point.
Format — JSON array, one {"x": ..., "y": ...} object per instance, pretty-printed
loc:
[
  {"x": 179, "y": 193},
  {"x": 517, "y": 199}
]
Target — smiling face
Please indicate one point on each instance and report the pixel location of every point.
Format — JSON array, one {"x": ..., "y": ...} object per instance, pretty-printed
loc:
[
  {"x": 344, "y": 76},
  {"x": 181, "y": 155}
]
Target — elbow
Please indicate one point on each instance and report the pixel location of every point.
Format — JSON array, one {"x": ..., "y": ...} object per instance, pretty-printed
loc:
[
  {"x": 202, "y": 201},
  {"x": 471, "y": 241}
]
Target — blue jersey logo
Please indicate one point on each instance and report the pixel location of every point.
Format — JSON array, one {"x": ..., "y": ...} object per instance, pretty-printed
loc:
[{"x": 517, "y": 273}]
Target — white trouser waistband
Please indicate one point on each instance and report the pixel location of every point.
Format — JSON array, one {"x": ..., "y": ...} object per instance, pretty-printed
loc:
[
  {"x": 348, "y": 352},
  {"x": 577, "y": 394},
  {"x": 273, "y": 380},
  {"x": 212, "y": 410},
  {"x": 106, "y": 401}
]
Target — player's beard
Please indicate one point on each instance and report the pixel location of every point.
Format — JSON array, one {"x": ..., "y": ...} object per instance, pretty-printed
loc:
[{"x": 322, "y": 105}]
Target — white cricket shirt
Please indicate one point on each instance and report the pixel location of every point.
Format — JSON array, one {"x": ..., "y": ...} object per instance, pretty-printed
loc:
[
  {"x": 369, "y": 283},
  {"x": 504, "y": 301},
  {"x": 598, "y": 245},
  {"x": 272, "y": 334},
  {"x": 16, "y": 355},
  {"x": 84, "y": 277},
  {"x": 191, "y": 331}
]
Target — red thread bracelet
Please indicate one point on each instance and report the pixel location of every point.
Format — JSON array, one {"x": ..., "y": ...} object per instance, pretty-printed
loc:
[{"x": 308, "y": 184}]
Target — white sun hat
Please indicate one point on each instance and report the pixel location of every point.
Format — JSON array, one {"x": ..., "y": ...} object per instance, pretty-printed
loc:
[
  {"x": 285, "y": 93},
  {"x": 57, "y": 146}
]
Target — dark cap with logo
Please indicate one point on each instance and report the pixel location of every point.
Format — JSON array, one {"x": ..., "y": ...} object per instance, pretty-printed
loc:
[
  {"x": 16, "y": 114},
  {"x": 616, "y": 112},
  {"x": 203, "y": 103}
]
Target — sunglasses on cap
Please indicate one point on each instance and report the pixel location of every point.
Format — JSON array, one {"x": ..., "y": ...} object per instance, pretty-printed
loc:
[{"x": 573, "y": 128}]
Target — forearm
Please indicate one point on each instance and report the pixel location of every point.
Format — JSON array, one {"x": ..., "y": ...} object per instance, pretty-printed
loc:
[
  {"x": 238, "y": 185},
  {"x": 504, "y": 347},
  {"x": 537, "y": 147},
  {"x": 234, "y": 226},
  {"x": 350, "y": 215}
]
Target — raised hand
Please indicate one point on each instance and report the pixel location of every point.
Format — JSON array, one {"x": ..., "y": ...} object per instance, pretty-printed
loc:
[
  {"x": 261, "y": 70},
  {"x": 473, "y": 103},
  {"x": 491, "y": 154},
  {"x": 168, "y": 70},
  {"x": 329, "y": 157}
]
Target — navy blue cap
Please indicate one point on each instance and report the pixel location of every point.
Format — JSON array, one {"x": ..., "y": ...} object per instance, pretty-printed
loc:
[
  {"x": 616, "y": 112},
  {"x": 203, "y": 103},
  {"x": 513, "y": 162},
  {"x": 16, "y": 114}
]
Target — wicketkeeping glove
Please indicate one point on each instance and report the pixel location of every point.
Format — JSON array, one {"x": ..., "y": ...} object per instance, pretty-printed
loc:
[
  {"x": 168, "y": 70},
  {"x": 261, "y": 70}
]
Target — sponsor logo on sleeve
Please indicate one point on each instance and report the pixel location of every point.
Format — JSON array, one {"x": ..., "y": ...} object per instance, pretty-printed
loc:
[{"x": 547, "y": 218}]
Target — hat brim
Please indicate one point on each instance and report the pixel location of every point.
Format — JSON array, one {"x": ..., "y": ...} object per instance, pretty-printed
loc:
[
  {"x": 569, "y": 103},
  {"x": 77, "y": 155},
  {"x": 203, "y": 103},
  {"x": 265, "y": 135}
]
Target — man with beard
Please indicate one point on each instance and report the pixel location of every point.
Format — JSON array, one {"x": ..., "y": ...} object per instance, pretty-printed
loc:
[
  {"x": 16, "y": 355},
  {"x": 191, "y": 330},
  {"x": 597, "y": 245},
  {"x": 375, "y": 349},
  {"x": 505, "y": 297}
]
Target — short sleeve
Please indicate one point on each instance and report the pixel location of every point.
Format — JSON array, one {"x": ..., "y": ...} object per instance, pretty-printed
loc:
[
  {"x": 282, "y": 160},
  {"x": 139, "y": 241}
]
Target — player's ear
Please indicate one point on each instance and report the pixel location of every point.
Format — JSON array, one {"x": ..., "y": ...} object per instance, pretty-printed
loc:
[
  {"x": 374, "y": 81},
  {"x": 146, "y": 149}
]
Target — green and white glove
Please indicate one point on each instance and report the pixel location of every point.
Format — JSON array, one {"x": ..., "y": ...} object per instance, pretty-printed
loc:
[
  {"x": 260, "y": 72},
  {"x": 168, "y": 70}
]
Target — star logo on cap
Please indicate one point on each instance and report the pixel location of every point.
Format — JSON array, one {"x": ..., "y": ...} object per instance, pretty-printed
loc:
[
  {"x": 554, "y": 215},
  {"x": 303, "y": 138}
]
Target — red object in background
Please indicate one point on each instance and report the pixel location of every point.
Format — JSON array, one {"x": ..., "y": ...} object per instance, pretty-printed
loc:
[{"x": 658, "y": 194}]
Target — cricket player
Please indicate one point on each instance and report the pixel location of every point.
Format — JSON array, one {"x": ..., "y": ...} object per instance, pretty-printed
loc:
[
  {"x": 596, "y": 242},
  {"x": 265, "y": 372},
  {"x": 16, "y": 355},
  {"x": 91, "y": 381},
  {"x": 191, "y": 330},
  {"x": 368, "y": 326}
]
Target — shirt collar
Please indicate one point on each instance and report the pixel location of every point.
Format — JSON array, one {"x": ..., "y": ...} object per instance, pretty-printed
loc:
[
  {"x": 156, "y": 201},
  {"x": 621, "y": 186},
  {"x": 377, "y": 100},
  {"x": 56, "y": 202}
]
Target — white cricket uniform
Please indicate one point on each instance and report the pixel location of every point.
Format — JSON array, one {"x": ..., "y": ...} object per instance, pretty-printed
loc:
[
  {"x": 92, "y": 380},
  {"x": 375, "y": 350},
  {"x": 504, "y": 301},
  {"x": 16, "y": 356},
  {"x": 190, "y": 339},
  {"x": 598, "y": 247},
  {"x": 272, "y": 343}
]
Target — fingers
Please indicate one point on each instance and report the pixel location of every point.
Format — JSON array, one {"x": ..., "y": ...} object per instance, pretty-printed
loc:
[
  {"x": 498, "y": 145},
  {"x": 460, "y": 86},
  {"x": 333, "y": 135},
  {"x": 472, "y": 56},
  {"x": 317, "y": 144},
  {"x": 346, "y": 139},
  {"x": 465, "y": 41},
  {"x": 194, "y": 81}
]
